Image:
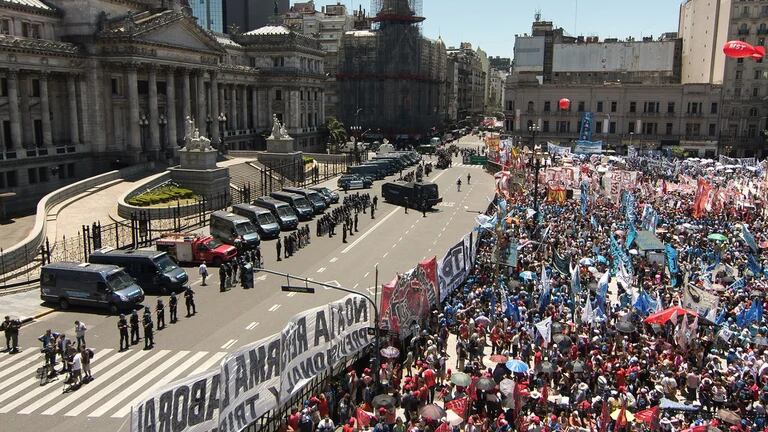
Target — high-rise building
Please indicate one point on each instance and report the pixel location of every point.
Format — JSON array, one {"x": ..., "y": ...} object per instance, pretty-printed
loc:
[
  {"x": 705, "y": 26},
  {"x": 391, "y": 78},
  {"x": 249, "y": 15},
  {"x": 471, "y": 81},
  {"x": 209, "y": 14}
]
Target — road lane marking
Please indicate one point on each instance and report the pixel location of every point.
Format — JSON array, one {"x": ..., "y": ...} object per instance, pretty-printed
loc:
[
  {"x": 262, "y": 277},
  {"x": 385, "y": 255},
  {"x": 290, "y": 294},
  {"x": 407, "y": 232},
  {"x": 321, "y": 269},
  {"x": 18, "y": 365},
  {"x": 366, "y": 275},
  {"x": 334, "y": 259},
  {"x": 16, "y": 357},
  {"x": 356, "y": 285},
  {"x": 394, "y": 245},
  {"x": 373, "y": 228},
  {"x": 53, "y": 395},
  {"x": 208, "y": 363},
  {"x": 229, "y": 344},
  {"x": 252, "y": 325},
  {"x": 170, "y": 376},
  {"x": 116, "y": 384},
  {"x": 413, "y": 225},
  {"x": 104, "y": 377},
  {"x": 136, "y": 385},
  {"x": 274, "y": 308},
  {"x": 400, "y": 239},
  {"x": 434, "y": 242}
]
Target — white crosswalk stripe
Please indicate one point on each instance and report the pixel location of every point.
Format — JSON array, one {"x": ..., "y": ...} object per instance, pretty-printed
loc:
[
  {"x": 146, "y": 378},
  {"x": 84, "y": 391},
  {"x": 120, "y": 381},
  {"x": 170, "y": 376},
  {"x": 114, "y": 385}
]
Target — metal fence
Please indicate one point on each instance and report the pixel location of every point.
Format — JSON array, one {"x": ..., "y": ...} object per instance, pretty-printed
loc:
[{"x": 294, "y": 174}]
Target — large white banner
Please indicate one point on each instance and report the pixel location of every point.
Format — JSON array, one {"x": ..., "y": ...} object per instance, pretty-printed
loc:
[
  {"x": 257, "y": 378},
  {"x": 453, "y": 269},
  {"x": 189, "y": 405}
]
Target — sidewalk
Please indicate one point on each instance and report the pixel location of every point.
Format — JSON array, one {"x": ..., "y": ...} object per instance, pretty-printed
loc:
[{"x": 25, "y": 305}]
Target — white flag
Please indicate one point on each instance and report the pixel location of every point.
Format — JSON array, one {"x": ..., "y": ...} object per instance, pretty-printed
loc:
[
  {"x": 693, "y": 327},
  {"x": 681, "y": 332},
  {"x": 659, "y": 306},
  {"x": 545, "y": 329},
  {"x": 673, "y": 318},
  {"x": 587, "y": 314}
]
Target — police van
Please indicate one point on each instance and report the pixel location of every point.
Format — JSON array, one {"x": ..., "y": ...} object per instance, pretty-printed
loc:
[{"x": 229, "y": 228}]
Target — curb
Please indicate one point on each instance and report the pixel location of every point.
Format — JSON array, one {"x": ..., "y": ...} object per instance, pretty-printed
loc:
[{"x": 26, "y": 320}]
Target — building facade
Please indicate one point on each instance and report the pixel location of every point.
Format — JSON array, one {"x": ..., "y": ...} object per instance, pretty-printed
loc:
[
  {"x": 209, "y": 14},
  {"x": 705, "y": 26},
  {"x": 471, "y": 81},
  {"x": 247, "y": 15},
  {"x": 391, "y": 79},
  {"x": 633, "y": 88},
  {"x": 91, "y": 85}
]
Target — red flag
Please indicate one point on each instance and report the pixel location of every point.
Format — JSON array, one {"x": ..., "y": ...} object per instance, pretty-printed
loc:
[
  {"x": 621, "y": 420},
  {"x": 443, "y": 427},
  {"x": 459, "y": 406},
  {"x": 604, "y": 417},
  {"x": 363, "y": 418},
  {"x": 472, "y": 389},
  {"x": 544, "y": 394},
  {"x": 646, "y": 416}
]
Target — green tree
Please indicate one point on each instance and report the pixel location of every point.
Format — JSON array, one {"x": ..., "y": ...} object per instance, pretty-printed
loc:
[
  {"x": 336, "y": 134},
  {"x": 677, "y": 152}
]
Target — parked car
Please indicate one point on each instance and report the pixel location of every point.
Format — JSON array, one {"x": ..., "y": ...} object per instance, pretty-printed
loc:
[
  {"x": 85, "y": 284},
  {"x": 154, "y": 271},
  {"x": 330, "y": 196},
  {"x": 354, "y": 181}
]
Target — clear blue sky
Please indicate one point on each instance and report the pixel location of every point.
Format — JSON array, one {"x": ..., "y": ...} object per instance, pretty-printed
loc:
[{"x": 492, "y": 24}]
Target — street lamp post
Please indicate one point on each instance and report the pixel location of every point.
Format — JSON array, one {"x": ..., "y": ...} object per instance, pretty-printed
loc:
[
  {"x": 162, "y": 121},
  {"x": 306, "y": 290},
  {"x": 536, "y": 162},
  {"x": 357, "y": 128},
  {"x": 533, "y": 129},
  {"x": 222, "y": 125},
  {"x": 208, "y": 122},
  {"x": 143, "y": 124}
]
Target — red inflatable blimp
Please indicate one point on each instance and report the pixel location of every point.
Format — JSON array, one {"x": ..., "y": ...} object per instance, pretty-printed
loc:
[
  {"x": 564, "y": 104},
  {"x": 739, "y": 49}
]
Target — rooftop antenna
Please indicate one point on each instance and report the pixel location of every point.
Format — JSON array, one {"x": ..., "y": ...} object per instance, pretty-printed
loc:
[{"x": 537, "y": 15}]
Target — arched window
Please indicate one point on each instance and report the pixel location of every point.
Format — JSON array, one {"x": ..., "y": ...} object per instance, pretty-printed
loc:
[
  {"x": 753, "y": 112},
  {"x": 530, "y": 106}
]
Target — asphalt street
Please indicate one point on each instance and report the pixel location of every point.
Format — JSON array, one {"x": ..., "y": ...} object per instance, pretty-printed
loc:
[{"x": 394, "y": 241}]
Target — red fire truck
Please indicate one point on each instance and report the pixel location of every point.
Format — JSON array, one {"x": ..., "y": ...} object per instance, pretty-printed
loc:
[{"x": 196, "y": 248}]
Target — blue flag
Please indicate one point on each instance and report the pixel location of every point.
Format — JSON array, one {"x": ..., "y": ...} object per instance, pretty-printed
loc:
[
  {"x": 672, "y": 263},
  {"x": 754, "y": 266},
  {"x": 584, "y": 197},
  {"x": 748, "y": 238},
  {"x": 645, "y": 304},
  {"x": 738, "y": 285},
  {"x": 593, "y": 221},
  {"x": 721, "y": 317},
  {"x": 493, "y": 306},
  {"x": 631, "y": 235},
  {"x": 512, "y": 312}
]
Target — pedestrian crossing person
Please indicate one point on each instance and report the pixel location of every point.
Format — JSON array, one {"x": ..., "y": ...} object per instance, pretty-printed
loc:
[
  {"x": 160, "y": 311},
  {"x": 203, "y": 270},
  {"x": 80, "y": 329},
  {"x": 49, "y": 348},
  {"x": 75, "y": 371},
  {"x": 122, "y": 326},
  {"x": 189, "y": 300},
  {"x": 11, "y": 329},
  {"x": 86, "y": 356},
  {"x": 149, "y": 338},
  {"x": 134, "y": 327},
  {"x": 173, "y": 304},
  {"x": 469, "y": 178}
]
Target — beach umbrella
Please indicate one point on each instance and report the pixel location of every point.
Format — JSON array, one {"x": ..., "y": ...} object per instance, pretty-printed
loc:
[
  {"x": 578, "y": 366},
  {"x": 485, "y": 384},
  {"x": 587, "y": 262},
  {"x": 499, "y": 358},
  {"x": 453, "y": 418},
  {"x": 483, "y": 320},
  {"x": 563, "y": 342},
  {"x": 546, "y": 367},
  {"x": 461, "y": 379},
  {"x": 630, "y": 416},
  {"x": 432, "y": 412},
  {"x": 556, "y": 328},
  {"x": 728, "y": 416},
  {"x": 383, "y": 400},
  {"x": 390, "y": 352},
  {"x": 517, "y": 366},
  {"x": 624, "y": 326},
  {"x": 603, "y": 260},
  {"x": 633, "y": 252},
  {"x": 507, "y": 387},
  {"x": 717, "y": 237},
  {"x": 527, "y": 276}
]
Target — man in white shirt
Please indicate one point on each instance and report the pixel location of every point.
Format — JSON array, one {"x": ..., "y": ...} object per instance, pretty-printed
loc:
[
  {"x": 75, "y": 372},
  {"x": 80, "y": 330},
  {"x": 203, "y": 272}
]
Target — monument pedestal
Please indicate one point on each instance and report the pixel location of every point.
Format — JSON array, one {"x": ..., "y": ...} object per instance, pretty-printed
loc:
[
  {"x": 198, "y": 172},
  {"x": 280, "y": 145}
]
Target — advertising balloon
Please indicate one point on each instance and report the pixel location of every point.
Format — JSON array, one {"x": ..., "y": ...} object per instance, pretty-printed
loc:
[
  {"x": 565, "y": 104},
  {"x": 740, "y": 49}
]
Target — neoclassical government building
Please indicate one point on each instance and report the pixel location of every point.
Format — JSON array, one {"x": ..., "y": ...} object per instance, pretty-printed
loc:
[{"x": 91, "y": 85}]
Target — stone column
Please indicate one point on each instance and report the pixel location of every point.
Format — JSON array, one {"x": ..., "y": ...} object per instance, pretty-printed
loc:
[
  {"x": 186, "y": 100},
  {"x": 93, "y": 111},
  {"x": 233, "y": 106},
  {"x": 27, "y": 127},
  {"x": 170, "y": 108},
  {"x": 215, "y": 133},
  {"x": 244, "y": 106},
  {"x": 254, "y": 108},
  {"x": 201, "y": 114},
  {"x": 134, "y": 135},
  {"x": 45, "y": 111},
  {"x": 74, "y": 124},
  {"x": 321, "y": 101},
  {"x": 13, "y": 109},
  {"x": 154, "y": 114}
]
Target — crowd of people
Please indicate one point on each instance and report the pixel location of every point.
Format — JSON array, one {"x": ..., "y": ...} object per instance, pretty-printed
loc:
[{"x": 562, "y": 324}]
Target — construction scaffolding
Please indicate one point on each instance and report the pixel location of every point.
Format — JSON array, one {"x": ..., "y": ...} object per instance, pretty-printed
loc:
[{"x": 391, "y": 78}]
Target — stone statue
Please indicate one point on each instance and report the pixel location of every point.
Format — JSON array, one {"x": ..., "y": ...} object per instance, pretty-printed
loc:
[
  {"x": 193, "y": 140},
  {"x": 278, "y": 130}
]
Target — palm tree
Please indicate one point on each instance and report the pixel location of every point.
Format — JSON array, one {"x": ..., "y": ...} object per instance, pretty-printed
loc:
[{"x": 336, "y": 133}]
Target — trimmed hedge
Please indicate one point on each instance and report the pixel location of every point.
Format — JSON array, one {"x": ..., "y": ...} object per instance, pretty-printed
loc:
[
  {"x": 161, "y": 195},
  {"x": 308, "y": 159}
]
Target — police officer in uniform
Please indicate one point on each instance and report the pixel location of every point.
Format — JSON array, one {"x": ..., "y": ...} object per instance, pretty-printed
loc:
[
  {"x": 160, "y": 310},
  {"x": 279, "y": 247},
  {"x": 134, "y": 328},
  {"x": 189, "y": 299},
  {"x": 222, "y": 278},
  {"x": 149, "y": 338},
  {"x": 173, "y": 304},
  {"x": 122, "y": 325},
  {"x": 356, "y": 222}
]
